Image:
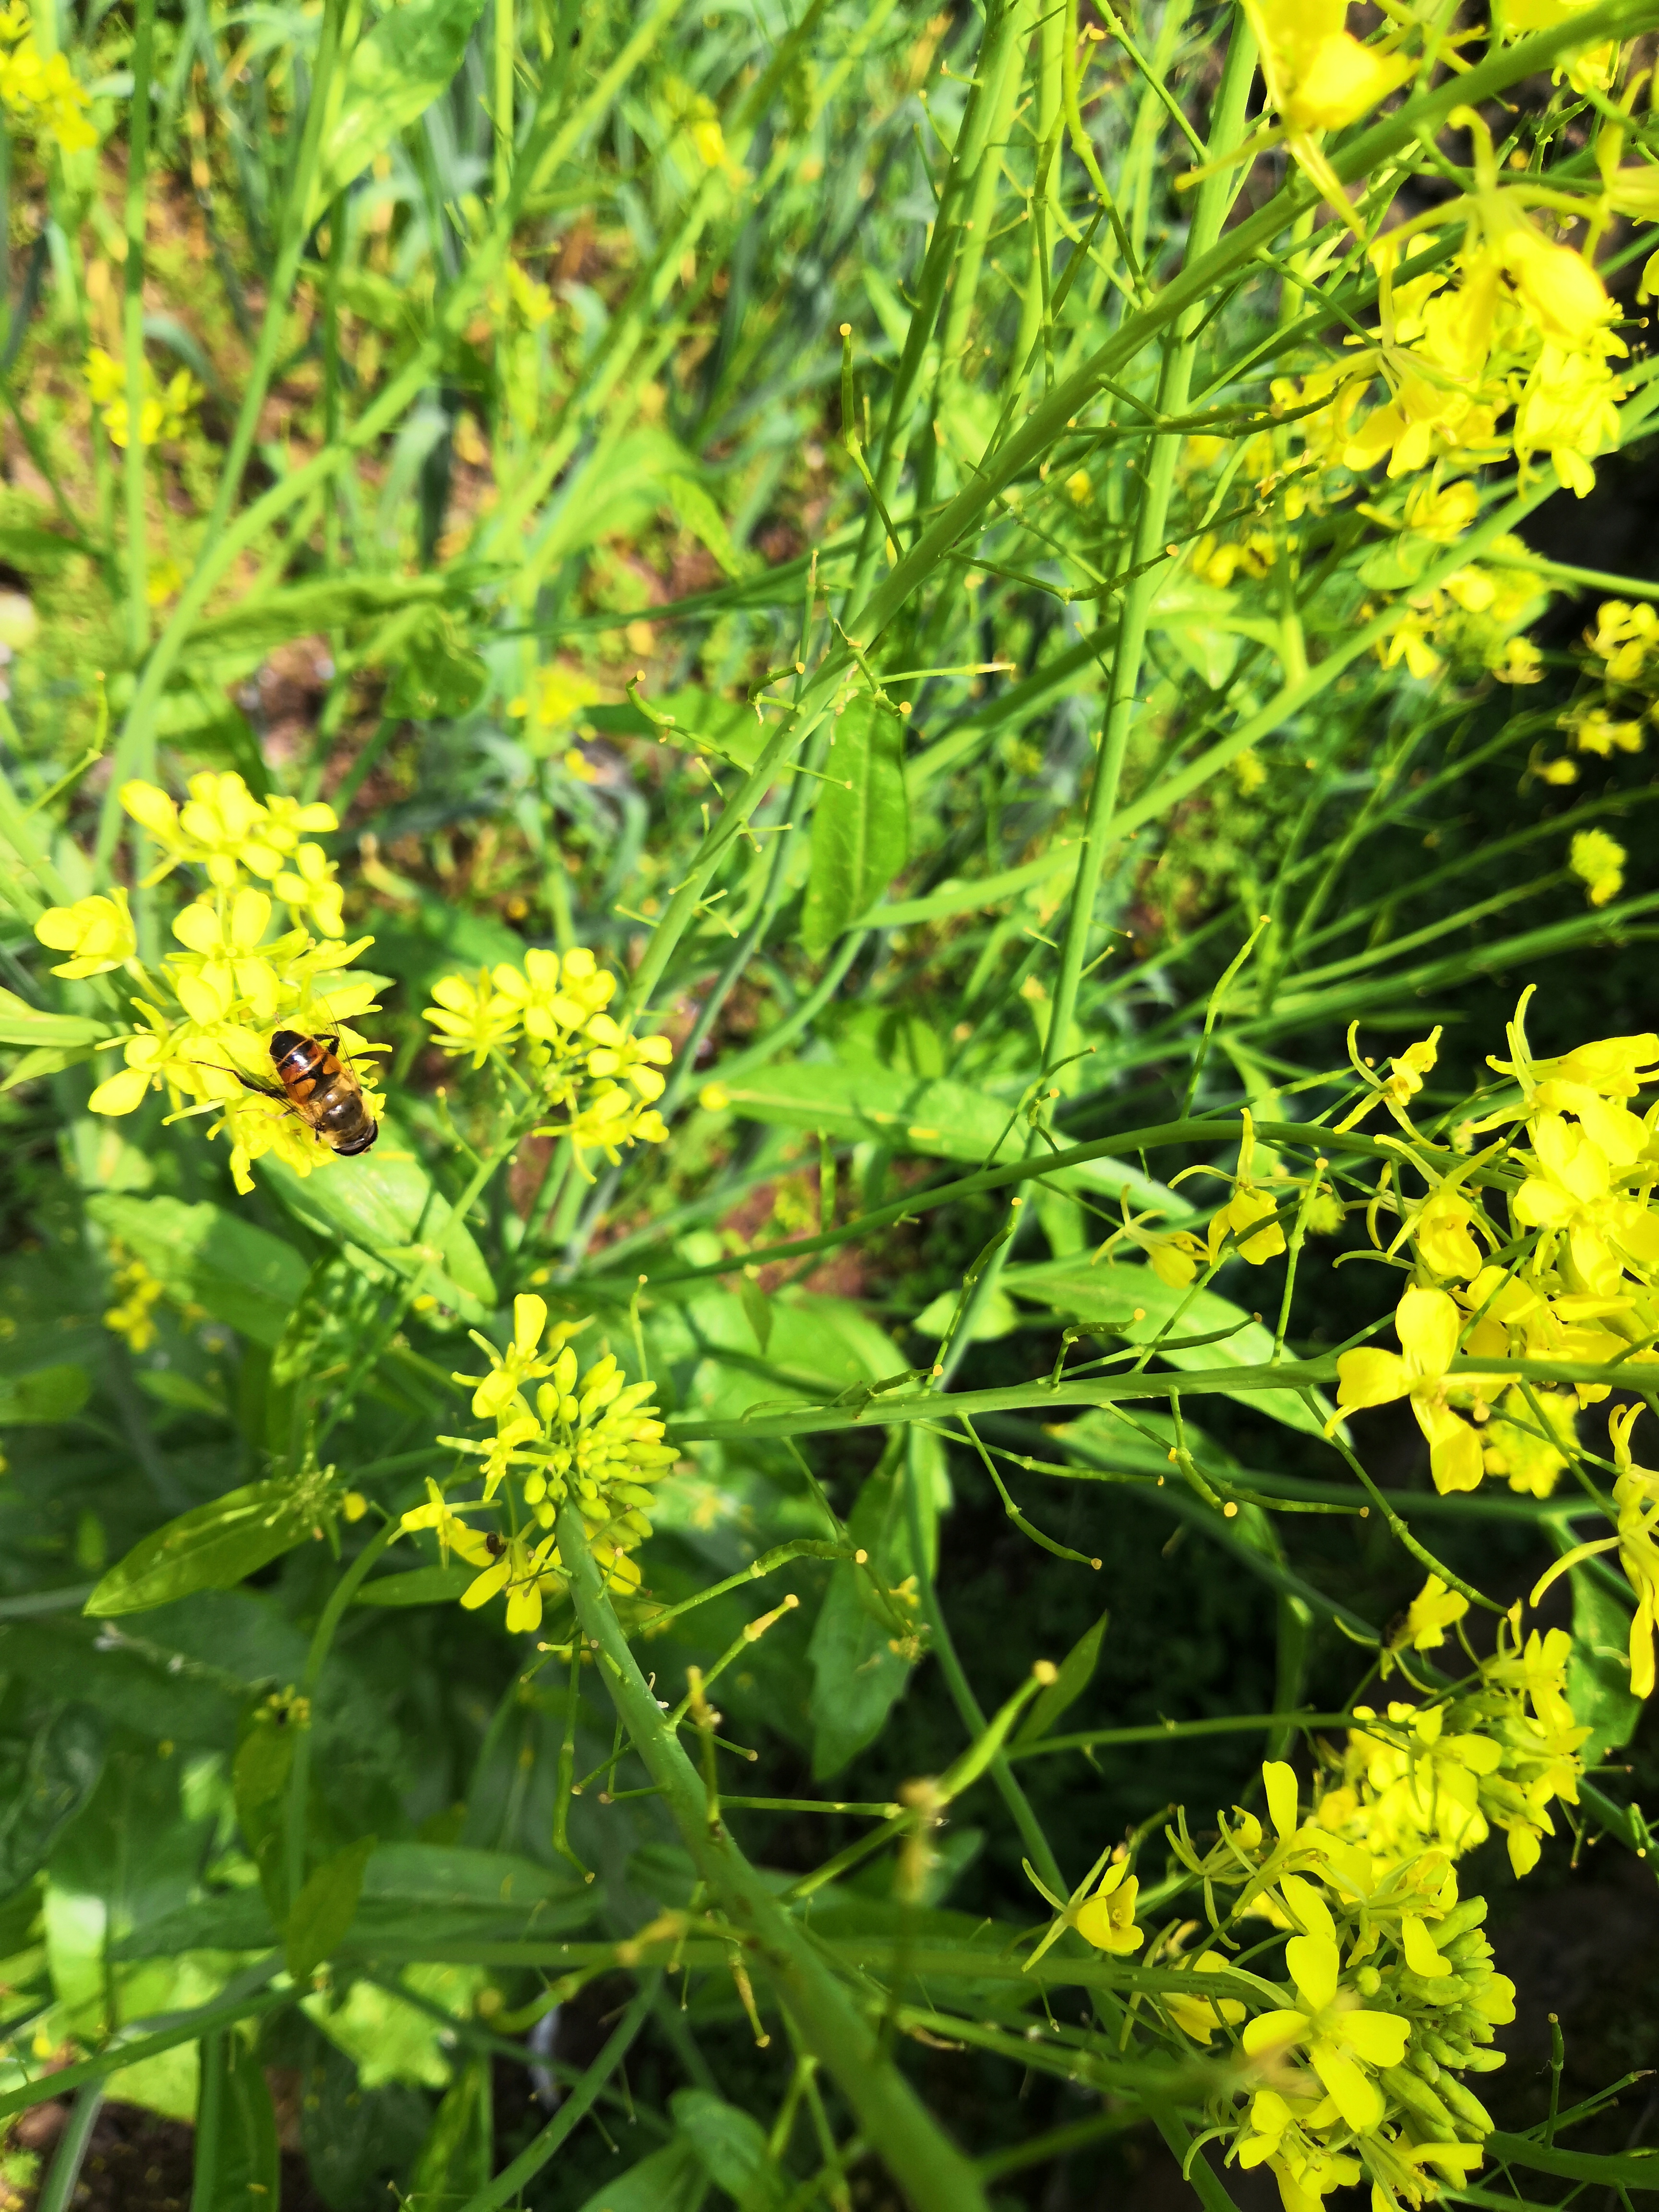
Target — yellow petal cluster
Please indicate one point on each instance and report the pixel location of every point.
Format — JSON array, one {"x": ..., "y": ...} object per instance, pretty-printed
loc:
[
  {"x": 203, "y": 1017},
  {"x": 590, "y": 1437},
  {"x": 550, "y": 1015}
]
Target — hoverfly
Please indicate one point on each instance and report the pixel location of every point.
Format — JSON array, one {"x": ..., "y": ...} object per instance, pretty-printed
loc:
[{"x": 321, "y": 1088}]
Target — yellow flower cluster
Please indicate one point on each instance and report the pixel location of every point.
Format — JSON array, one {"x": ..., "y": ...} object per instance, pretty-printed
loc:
[
  {"x": 1349, "y": 2066},
  {"x": 163, "y": 411},
  {"x": 136, "y": 1293},
  {"x": 589, "y": 1437},
  {"x": 41, "y": 92},
  {"x": 1445, "y": 1775},
  {"x": 1543, "y": 1246},
  {"x": 203, "y": 1019},
  {"x": 551, "y": 1013},
  {"x": 1624, "y": 656}
]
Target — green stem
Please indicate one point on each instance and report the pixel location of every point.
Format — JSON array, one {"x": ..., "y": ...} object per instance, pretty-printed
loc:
[
  {"x": 824, "y": 2017},
  {"x": 510, "y": 2181},
  {"x": 300, "y": 1775},
  {"x": 72, "y": 2148},
  {"x": 1152, "y": 528},
  {"x": 133, "y": 319}
]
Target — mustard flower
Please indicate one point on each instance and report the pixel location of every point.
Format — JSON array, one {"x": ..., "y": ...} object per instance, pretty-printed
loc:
[
  {"x": 1342, "y": 2039},
  {"x": 518, "y": 1568},
  {"x": 97, "y": 932},
  {"x": 1428, "y": 1324},
  {"x": 308, "y": 886},
  {"x": 1202, "y": 2017},
  {"x": 471, "y": 1016},
  {"x": 41, "y": 92},
  {"x": 1320, "y": 78},
  {"x": 137, "y": 1294},
  {"x": 1283, "y": 2136},
  {"x": 1430, "y": 1613},
  {"x": 1598, "y": 861},
  {"x": 631, "y": 1060},
  {"x": 1106, "y": 1919},
  {"x": 522, "y": 1363},
  {"x": 1636, "y": 1499}
]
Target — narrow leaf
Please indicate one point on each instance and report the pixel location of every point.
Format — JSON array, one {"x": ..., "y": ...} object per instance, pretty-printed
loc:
[{"x": 325, "y": 1910}]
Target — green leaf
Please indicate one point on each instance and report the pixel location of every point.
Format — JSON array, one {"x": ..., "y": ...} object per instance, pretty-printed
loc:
[
  {"x": 238, "y": 2162},
  {"x": 695, "y": 510},
  {"x": 758, "y": 1308},
  {"x": 243, "y": 1275},
  {"x": 730, "y": 2147},
  {"x": 49, "y": 1059},
  {"x": 1115, "y": 1294},
  {"x": 932, "y": 1116},
  {"x": 22, "y": 1024},
  {"x": 394, "y": 76},
  {"x": 860, "y": 824},
  {"x": 436, "y": 675},
  {"x": 386, "y": 1204},
  {"x": 325, "y": 1910},
  {"x": 216, "y": 1546},
  {"x": 672, "y": 2180},
  {"x": 455, "y": 2161},
  {"x": 1076, "y": 1672},
  {"x": 43, "y": 1787},
  {"x": 417, "y": 1586},
  {"x": 1598, "y": 1671},
  {"x": 50, "y": 1394},
  {"x": 859, "y": 1666}
]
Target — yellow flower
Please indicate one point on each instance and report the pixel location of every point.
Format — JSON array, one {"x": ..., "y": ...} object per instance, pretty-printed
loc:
[
  {"x": 518, "y": 1571},
  {"x": 1250, "y": 1215},
  {"x": 1200, "y": 2017},
  {"x": 1428, "y": 1325},
  {"x": 42, "y": 92},
  {"x": 629, "y": 1059},
  {"x": 136, "y": 1293},
  {"x": 1430, "y": 1613},
  {"x": 1342, "y": 2039},
  {"x": 162, "y": 414},
  {"x": 1319, "y": 76},
  {"x": 521, "y": 1363},
  {"x": 1636, "y": 1496},
  {"x": 1304, "y": 2168},
  {"x": 1598, "y": 861},
  {"x": 1520, "y": 662},
  {"x": 1108, "y": 1919},
  {"x": 98, "y": 932},
  {"x": 308, "y": 886},
  {"x": 472, "y": 1017}
]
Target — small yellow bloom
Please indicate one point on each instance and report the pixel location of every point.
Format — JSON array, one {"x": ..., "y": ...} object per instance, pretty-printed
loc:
[
  {"x": 1342, "y": 2039},
  {"x": 1428, "y": 1324},
  {"x": 1430, "y": 1613},
  {"x": 98, "y": 932},
  {"x": 1108, "y": 1919},
  {"x": 1598, "y": 861}
]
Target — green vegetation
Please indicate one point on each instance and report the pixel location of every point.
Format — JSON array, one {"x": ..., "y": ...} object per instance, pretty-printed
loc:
[{"x": 832, "y": 1247}]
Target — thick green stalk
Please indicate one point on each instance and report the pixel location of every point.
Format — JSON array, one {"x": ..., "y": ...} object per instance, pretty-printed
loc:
[
  {"x": 1152, "y": 528},
  {"x": 895, "y": 2123},
  {"x": 143, "y": 45}
]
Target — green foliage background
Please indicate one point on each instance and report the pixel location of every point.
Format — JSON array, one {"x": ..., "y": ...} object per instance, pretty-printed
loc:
[{"x": 570, "y": 375}]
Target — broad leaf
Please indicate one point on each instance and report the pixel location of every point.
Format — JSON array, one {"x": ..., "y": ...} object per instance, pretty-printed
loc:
[
  {"x": 672, "y": 2180},
  {"x": 22, "y": 1024},
  {"x": 216, "y": 1546},
  {"x": 386, "y": 1206},
  {"x": 394, "y": 76},
  {"x": 455, "y": 2161},
  {"x": 730, "y": 2147},
  {"x": 860, "y": 1652},
  {"x": 43, "y": 1785},
  {"x": 1139, "y": 1305},
  {"x": 417, "y": 1586},
  {"x": 50, "y": 1394},
  {"x": 860, "y": 824},
  {"x": 241, "y": 1274},
  {"x": 932, "y": 1116},
  {"x": 324, "y": 1909},
  {"x": 237, "y": 2163}
]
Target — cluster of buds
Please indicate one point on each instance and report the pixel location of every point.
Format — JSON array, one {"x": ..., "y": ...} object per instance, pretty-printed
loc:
[
  {"x": 545, "y": 1027},
  {"x": 590, "y": 1438}
]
